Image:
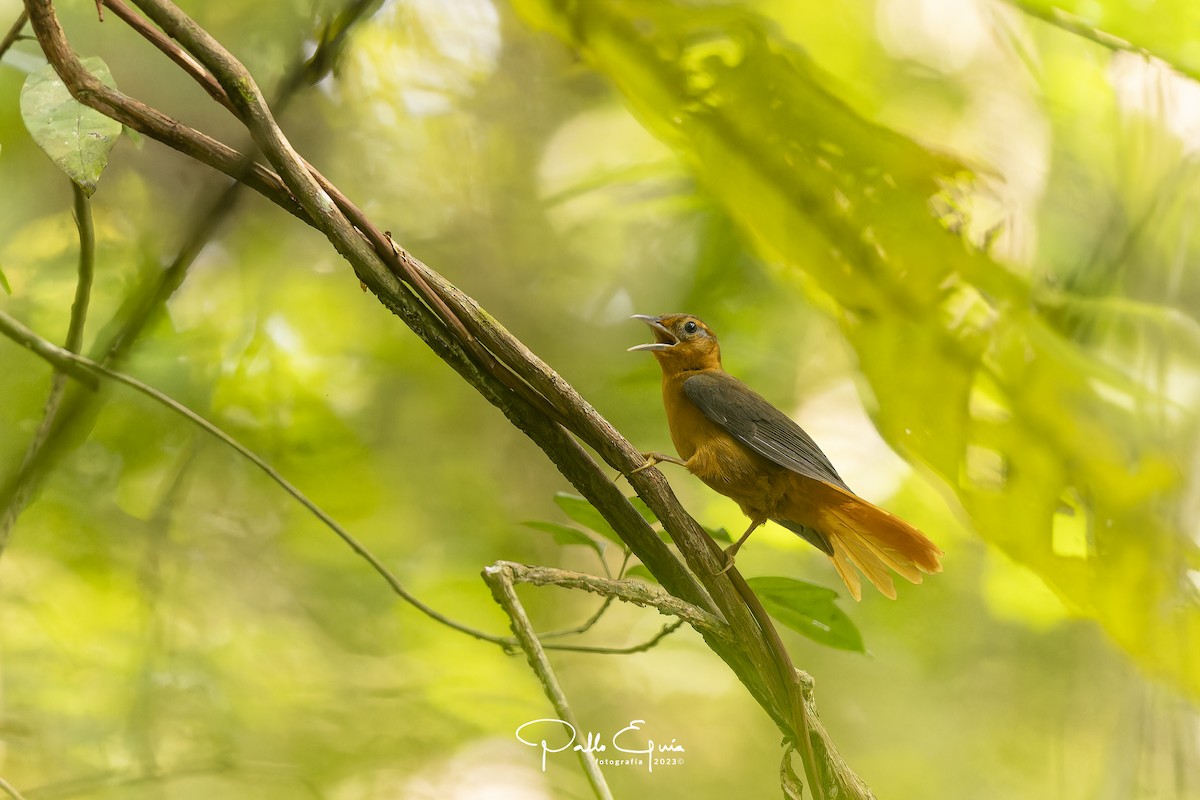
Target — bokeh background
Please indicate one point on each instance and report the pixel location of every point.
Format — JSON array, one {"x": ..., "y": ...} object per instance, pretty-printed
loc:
[{"x": 953, "y": 238}]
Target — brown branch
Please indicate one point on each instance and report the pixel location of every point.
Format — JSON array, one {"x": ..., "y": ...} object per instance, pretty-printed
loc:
[
  {"x": 172, "y": 51},
  {"x": 327, "y": 217},
  {"x": 143, "y": 304},
  {"x": 88, "y": 89},
  {"x": 757, "y": 656}
]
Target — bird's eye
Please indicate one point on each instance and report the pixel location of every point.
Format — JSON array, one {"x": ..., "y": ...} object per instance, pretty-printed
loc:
[{"x": 690, "y": 327}]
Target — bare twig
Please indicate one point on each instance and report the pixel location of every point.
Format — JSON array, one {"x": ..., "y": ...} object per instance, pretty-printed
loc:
[
  {"x": 143, "y": 304},
  {"x": 638, "y": 593},
  {"x": 10, "y": 790},
  {"x": 596, "y": 617},
  {"x": 87, "y": 269},
  {"x": 581, "y": 628},
  {"x": 172, "y": 51},
  {"x": 1073, "y": 24},
  {"x": 14, "y": 33},
  {"x": 19, "y": 497},
  {"x": 500, "y": 579},
  {"x": 58, "y": 356},
  {"x": 62, "y": 360},
  {"x": 619, "y": 651},
  {"x": 58, "y": 381}
]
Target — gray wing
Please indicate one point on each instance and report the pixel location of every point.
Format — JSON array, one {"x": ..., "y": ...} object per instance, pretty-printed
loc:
[{"x": 759, "y": 425}]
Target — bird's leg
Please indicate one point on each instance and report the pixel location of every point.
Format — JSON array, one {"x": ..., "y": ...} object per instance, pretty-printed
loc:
[
  {"x": 731, "y": 551},
  {"x": 658, "y": 458}
]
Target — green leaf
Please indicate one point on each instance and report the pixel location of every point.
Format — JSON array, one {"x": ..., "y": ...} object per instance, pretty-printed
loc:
[
  {"x": 1017, "y": 403},
  {"x": 643, "y": 509},
  {"x": 720, "y": 534},
  {"x": 809, "y": 610},
  {"x": 564, "y": 534},
  {"x": 640, "y": 571},
  {"x": 77, "y": 138},
  {"x": 4, "y": 283},
  {"x": 21, "y": 61},
  {"x": 585, "y": 514}
]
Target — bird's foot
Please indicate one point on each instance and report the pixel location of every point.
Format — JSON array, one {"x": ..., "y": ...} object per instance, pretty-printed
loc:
[
  {"x": 654, "y": 458},
  {"x": 731, "y": 551}
]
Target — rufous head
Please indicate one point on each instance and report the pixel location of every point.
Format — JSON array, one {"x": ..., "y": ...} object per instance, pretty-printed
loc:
[{"x": 682, "y": 342}]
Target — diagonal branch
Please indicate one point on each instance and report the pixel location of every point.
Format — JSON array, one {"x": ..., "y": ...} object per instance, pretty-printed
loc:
[
  {"x": 1077, "y": 25},
  {"x": 60, "y": 357},
  {"x": 529, "y": 393}
]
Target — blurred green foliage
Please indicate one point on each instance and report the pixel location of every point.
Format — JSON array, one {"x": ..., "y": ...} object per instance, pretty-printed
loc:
[
  {"x": 1016, "y": 320},
  {"x": 1067, "y": 461}
]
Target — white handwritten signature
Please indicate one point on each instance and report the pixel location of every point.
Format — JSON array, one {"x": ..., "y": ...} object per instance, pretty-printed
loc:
[{"x": 593, "y": 744}]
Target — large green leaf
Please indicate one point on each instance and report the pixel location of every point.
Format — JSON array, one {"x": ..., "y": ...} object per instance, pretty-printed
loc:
[
  {"x": 565, "y": 534},
  {"x": 77, "y": 138},
  {"x": 583, "y": 512},
  {"x": 1066, "y": 463},
  {"x": 808, "y": 609}
]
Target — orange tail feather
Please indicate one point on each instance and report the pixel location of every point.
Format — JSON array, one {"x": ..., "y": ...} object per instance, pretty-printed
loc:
[{"x": 871, "y": 539}]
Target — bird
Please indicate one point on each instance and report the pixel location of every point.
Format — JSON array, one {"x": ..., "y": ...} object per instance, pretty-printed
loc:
[{"x": 740, "y": 445}]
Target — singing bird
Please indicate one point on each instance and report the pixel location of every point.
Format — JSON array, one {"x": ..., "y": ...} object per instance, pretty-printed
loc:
[{"x": 743, "y": 447}]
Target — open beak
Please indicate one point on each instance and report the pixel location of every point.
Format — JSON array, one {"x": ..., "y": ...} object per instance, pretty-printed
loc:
[{"x": 664, "y": 339}]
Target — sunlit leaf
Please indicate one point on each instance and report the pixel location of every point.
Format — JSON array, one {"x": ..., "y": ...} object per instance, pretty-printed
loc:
[
  {"x": 77, "y": 138},
  {"x": 808, "y": 609},
  {"x": 1014, "y": 408}
]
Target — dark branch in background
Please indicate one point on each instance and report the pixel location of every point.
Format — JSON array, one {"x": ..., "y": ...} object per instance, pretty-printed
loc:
[
  {"x": 144, "y": 304},
  {"x": 629, "y": 591},
  {"x": 495, "y": 363},
  {"x": 74, "y": 343},
  {"x": 14, "y": 33},
  {"x": 60, "y": 357}
]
